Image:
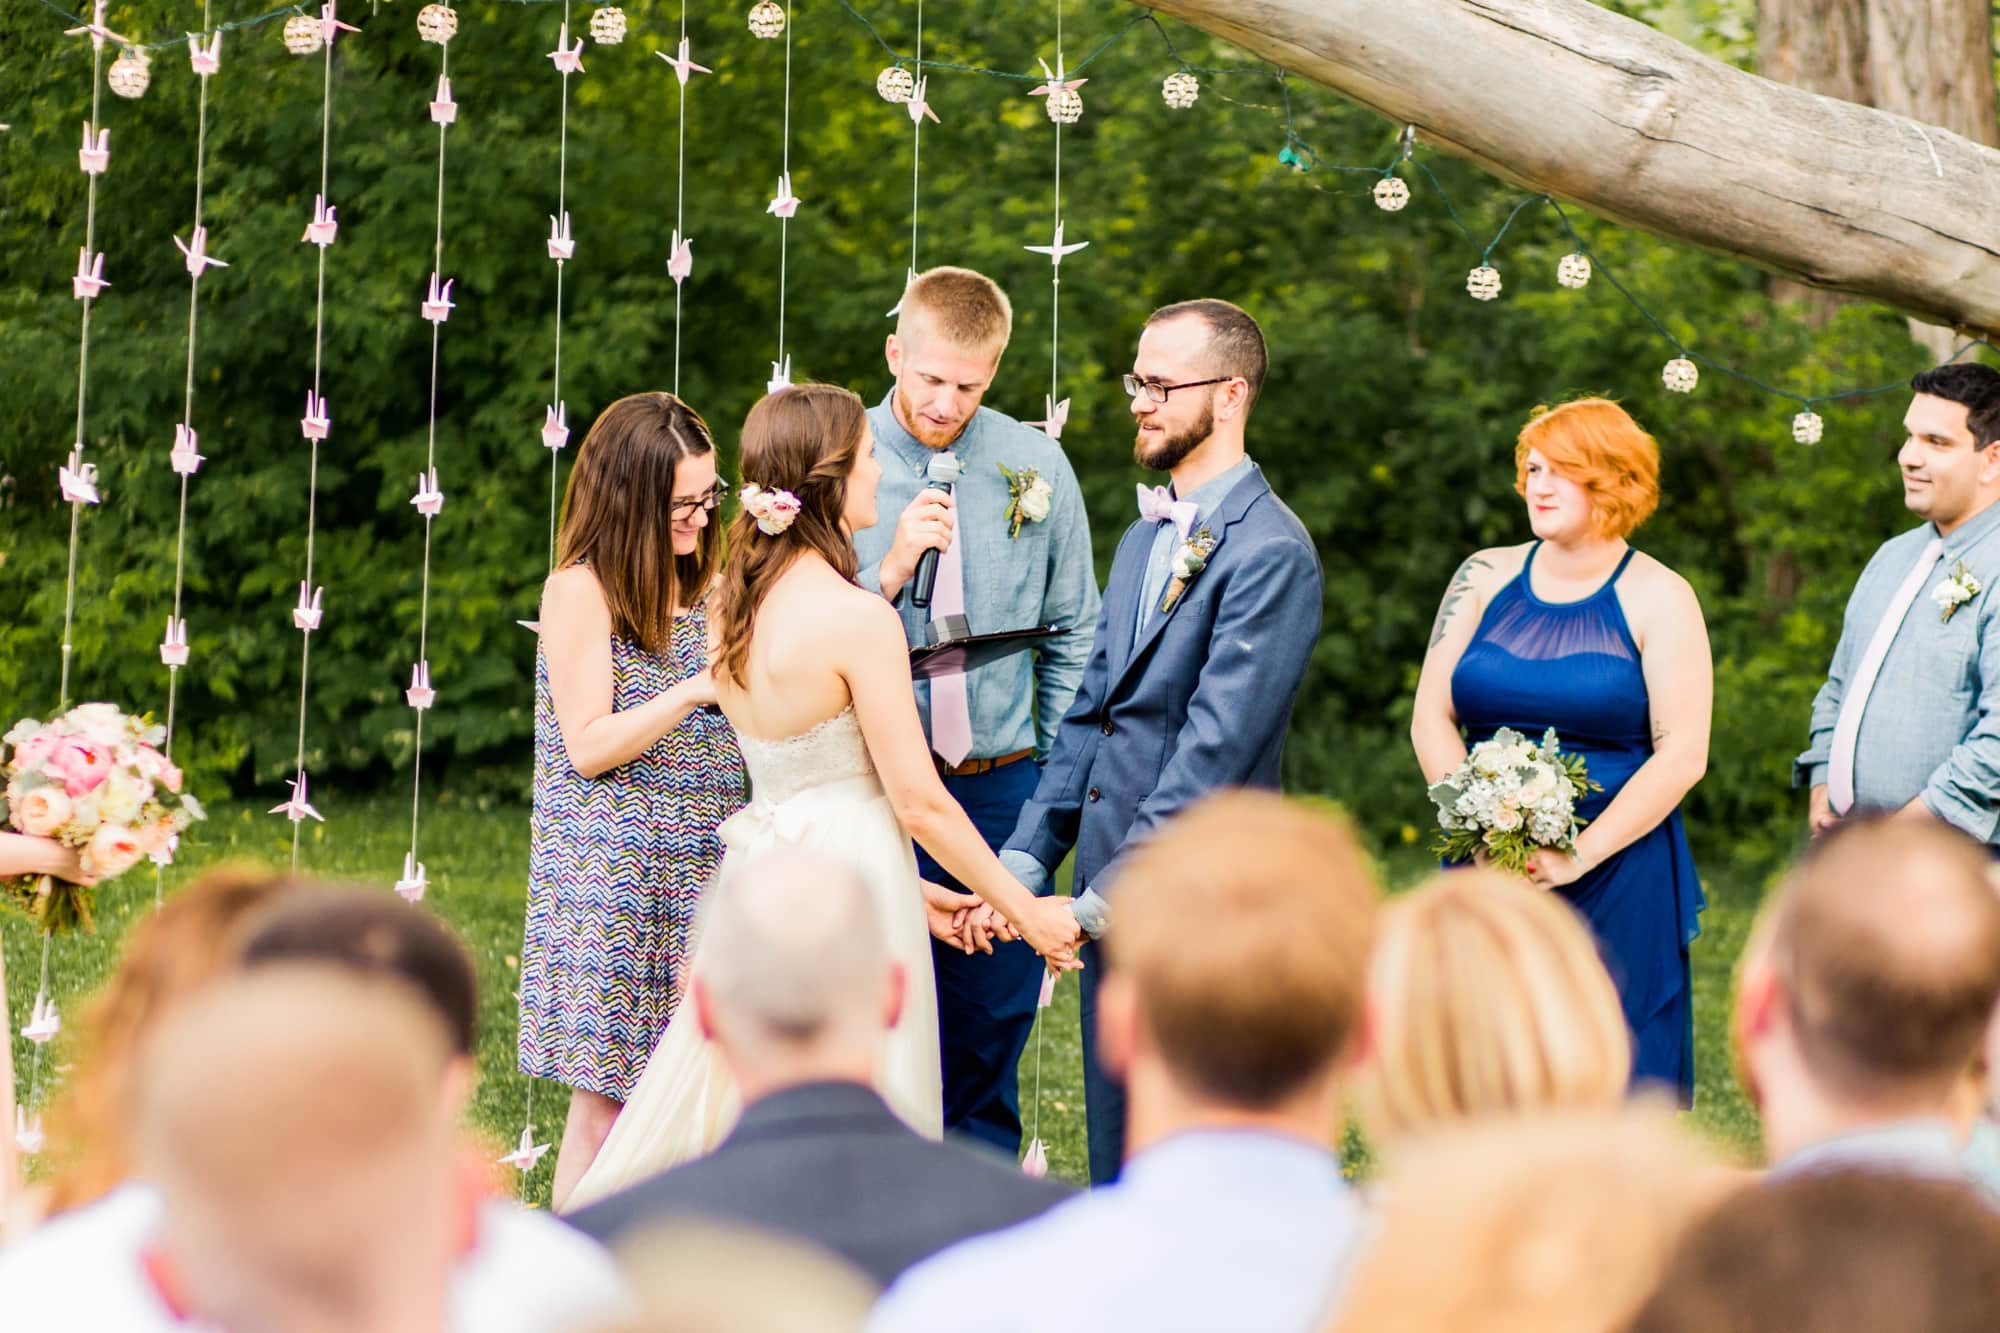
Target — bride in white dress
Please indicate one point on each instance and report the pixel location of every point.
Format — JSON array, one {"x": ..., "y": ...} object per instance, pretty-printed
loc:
[{"x": 813, "y": 672}]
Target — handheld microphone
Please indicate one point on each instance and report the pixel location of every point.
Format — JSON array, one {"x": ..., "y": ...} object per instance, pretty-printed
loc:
[{"x": 942, "y": 473}]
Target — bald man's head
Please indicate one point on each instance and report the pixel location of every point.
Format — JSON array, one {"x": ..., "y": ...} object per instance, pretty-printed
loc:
[
  {"x": 292, "y": 1120},
  {"x": 795, "y": 968},
  {"x": 1885, "y": 944}
]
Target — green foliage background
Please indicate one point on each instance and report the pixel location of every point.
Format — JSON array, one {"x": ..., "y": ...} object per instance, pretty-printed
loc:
[{"x": 1388, "y": 421}]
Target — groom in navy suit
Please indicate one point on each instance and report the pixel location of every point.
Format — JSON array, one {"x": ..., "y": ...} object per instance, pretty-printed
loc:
[{"x": 1208, "y": 621}]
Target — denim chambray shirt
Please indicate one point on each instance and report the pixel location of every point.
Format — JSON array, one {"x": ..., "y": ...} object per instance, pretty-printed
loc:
[
  {"x": 1932, "y": 726},
  {"x": 1043, "y": 576}
]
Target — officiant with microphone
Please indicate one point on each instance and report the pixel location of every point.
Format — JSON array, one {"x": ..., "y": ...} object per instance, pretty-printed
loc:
[
  {"x": 1909, "y": 716},
  {"x": 992, "y": 537}
]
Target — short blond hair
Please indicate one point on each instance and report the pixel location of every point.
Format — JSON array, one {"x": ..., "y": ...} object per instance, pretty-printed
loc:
[
  {"x": 1267, "y": 992},
  {"x": 957, "y": 306},
  {"x": 1487, "y": 995},
  {"x": 1560, "y": 1222}
]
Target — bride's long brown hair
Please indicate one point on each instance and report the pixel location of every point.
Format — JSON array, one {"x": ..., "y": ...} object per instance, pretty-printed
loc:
[{"x": 803, "y": 440}]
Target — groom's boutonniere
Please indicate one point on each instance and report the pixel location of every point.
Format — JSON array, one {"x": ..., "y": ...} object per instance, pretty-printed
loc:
[
  {"x": 1958, "y": 588},
  {"x": 1189, "y": 559},
  {"x": 1028, "y": 498}
]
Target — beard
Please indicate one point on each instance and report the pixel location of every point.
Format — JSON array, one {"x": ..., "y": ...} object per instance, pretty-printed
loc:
[
  {"x": 929, "y": 436},
  {"x": 1175, "y": 445}
]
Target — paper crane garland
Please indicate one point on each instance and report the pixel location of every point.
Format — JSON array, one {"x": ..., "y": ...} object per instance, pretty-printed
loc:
[
  {"x": 315, "y": 424},
  {"x": 428, "y": 499},
  {"x": 681, "y": 262},
  {"x": 526, "y": 1153},
  {"x": 410, "y": 888},
  {"x": 295, "y": 807},
  {"x": 437, "y": 302},
  {"x": 443, "y": 110},
  {"x": 420, "y": 695},
  {"x": 195, "y": 254},
  {"x": 682, "y": 63},
  {"x": 562, "y": 244},
  {"x": 324, "y": 227},
  {"x": 95, "y": 155},
  {"x": 174, "y": 647},
  {"x": 205, "y": 61},
  {"x": 1056, "y": 249},
  {"x": 89, "y": 281},
  {"x": 43, "y": 1021},
  {"x": 306, "y": 615},
  {"x": 555, "y": 427}
]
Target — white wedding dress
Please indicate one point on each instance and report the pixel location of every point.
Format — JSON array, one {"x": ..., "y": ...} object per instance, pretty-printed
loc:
[{"x": 817, "y": 791}]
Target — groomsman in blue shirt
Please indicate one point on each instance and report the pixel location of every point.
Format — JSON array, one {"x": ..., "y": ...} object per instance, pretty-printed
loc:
[
  {"x": 1909, "y": 717},
  {"x": 1014, "y": 549}
]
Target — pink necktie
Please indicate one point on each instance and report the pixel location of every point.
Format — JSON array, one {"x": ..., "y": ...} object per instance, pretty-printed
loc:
[
  {"x": 1847, "y": 727},
  {"x": 951, "y": 710}
]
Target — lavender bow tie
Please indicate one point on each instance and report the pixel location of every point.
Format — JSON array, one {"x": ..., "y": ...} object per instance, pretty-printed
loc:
[{"x": 1156, "y": 506}]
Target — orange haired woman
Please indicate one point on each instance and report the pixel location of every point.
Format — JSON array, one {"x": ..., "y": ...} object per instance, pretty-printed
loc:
[{"x": 1578, "y": 631}]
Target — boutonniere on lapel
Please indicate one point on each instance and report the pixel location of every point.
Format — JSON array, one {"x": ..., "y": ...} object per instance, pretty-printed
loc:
[
  {"x": 1189, "y": 559},
  {"x": 1028, "y": 498},
  {"x": 1959, "y": 587}
]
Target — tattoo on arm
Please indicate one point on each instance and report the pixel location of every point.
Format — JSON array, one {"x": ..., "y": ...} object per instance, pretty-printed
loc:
[
  {"x": 1659, "y": 733},
  {"x": 1461, "y": 584}
]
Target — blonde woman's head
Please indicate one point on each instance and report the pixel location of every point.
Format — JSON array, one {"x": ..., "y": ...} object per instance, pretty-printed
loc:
[{"x": 1487, "y": 995}]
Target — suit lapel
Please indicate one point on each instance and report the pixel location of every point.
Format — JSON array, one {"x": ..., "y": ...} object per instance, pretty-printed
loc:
[
  {"x": 1234, "y": 505},
  {"x": 1121, "y": 592}
]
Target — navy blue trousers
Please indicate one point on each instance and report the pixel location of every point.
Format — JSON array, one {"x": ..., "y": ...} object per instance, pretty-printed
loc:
[
  {"x": 1103, "y": 1095},
  {"x": 986, "y": 1003}
]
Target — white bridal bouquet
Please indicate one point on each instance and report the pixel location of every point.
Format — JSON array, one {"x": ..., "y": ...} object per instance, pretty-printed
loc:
[
  {"x": 1510, "y": 798},
  {"x": 94, "y": 780}
]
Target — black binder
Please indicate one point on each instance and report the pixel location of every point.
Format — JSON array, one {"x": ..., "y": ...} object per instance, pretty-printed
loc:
[{"x": 969, "y": 652}]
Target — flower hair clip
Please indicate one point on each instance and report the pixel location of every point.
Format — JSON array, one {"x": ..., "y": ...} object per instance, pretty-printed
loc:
[{"x": 774, "y": 510}]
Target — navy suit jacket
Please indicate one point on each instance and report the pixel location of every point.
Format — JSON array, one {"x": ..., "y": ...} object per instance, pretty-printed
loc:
[
  {"x": 829, "y": 1164},
  {"x": 1201, "y": 700}
]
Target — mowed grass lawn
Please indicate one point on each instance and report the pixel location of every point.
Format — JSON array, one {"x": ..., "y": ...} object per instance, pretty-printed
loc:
[{"x": 477, "y": 862}]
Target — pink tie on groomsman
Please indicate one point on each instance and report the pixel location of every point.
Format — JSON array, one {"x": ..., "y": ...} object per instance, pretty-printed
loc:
[
  {"x": 951, "y": 706},
  {"x": 1847, "y": 727}
]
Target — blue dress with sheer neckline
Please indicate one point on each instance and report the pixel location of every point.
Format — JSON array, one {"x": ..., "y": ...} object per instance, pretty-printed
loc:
[{"x": 1574, "y": 666}]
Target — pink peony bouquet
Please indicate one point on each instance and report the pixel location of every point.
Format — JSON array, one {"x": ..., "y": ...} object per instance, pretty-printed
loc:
[{"x": 92, "y": 779}]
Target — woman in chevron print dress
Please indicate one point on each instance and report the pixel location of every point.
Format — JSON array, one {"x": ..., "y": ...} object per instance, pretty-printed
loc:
[{"x": 634, "y": 769}]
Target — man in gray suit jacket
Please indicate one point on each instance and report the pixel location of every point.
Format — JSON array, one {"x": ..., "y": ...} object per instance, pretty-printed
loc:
[
  {"x": 796, "y": 988},
  {"x": 1209, "y": 619}
]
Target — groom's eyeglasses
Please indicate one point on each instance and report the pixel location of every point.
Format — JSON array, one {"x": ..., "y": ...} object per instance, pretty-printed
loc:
[
  {"x": 1153, "y": 389},
  {"x": 683, "y": 510}
]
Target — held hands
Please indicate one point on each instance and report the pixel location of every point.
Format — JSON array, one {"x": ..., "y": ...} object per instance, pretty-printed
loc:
[
  {"x": 1051, "y": 930},
  {"x": 949, "y": 915},
  {"x": 925, "y": 526}
]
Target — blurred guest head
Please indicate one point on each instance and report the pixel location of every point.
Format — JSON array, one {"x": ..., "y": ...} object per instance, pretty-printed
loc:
[
  {"x": 290, "y": 1118},
  {"x": 1554, "y": 1222},
  {"x": 170, "y": 953},
  {"x": 951, "y": 328},
  {"x": 1835, "y": 1252},
  {"x": 794, "y": 982},
  {"x": 1587, "y": 470},
  {"x": 1867, "y": 986},
  {"x": 714, "y": 1276},
  {"x": 1487, "y": 995},
  {"x": 371, "y": 932},
  {"x": 1255, "y": 1024}
]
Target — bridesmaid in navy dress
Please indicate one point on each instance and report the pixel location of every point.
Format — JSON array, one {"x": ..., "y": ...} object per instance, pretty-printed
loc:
[{"x": 1578, "y": 631}]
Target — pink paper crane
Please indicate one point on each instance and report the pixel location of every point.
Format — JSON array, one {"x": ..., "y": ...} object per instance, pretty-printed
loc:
[
  {"x": 330, "y": 26},
  {"x": 89, "y": 280},
  {"x": 568, "y": 61},
  {"x": 28, "y": 1136},
  {"x": 443, "y": 110},
  {"x": 787, "y": 203},
  {"x": 196, "y": 255},
  {"x": 1036, "y": 1161},
  {"x": 1054, "y": 83},
  {"x": 324, "y": 226},
  {"x": 78, "y": 480},
  {"x": 917, "y": 106},
  {"x": 174, "y": 648},
  {"x": 410, "y": 888},
  {"x": 94, "y": 157},
  {"x": 437, "y": 304},
  {"x": 183, "y": 456},
  {"x": 43, "y": 1021},
  {"x": 683, "y": 64},
  {"x": 315, "y": 424},
  {"x": 555, "y": 427},
  {"x": 163, "y": 855},
  {"x": 420, "y": 694},
  {"x": 562, "y": 244},
  {"x": 1048, "y": 995},
  {"x": 296, "y": 807},
  {"x": 526, "y": 1153},
  {"x": 1056, "y": 250},
  {"x": 98, "y": 32},
  {"x": 681, "y": 262},
  {"x": 205, "y": 62},
  {"x": 1058, "y": 417},
  {"x": 781, "y": 375},
  {"x": 306, "y": 615},
  {"x": 428, "y": 499}
]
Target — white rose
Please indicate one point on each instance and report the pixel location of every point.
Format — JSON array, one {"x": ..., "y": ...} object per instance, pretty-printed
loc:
[
  {"x": 122, "y": 796},
  {"x": 1507, "y": 818},
  {"x": 1035, "y": 501},
  {"x": 1539, "y": 785},
  {"x": 102, "y": 724}
]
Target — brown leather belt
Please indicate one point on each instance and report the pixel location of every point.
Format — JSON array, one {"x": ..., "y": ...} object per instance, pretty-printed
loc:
[{"x": 972, "y": 768}]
